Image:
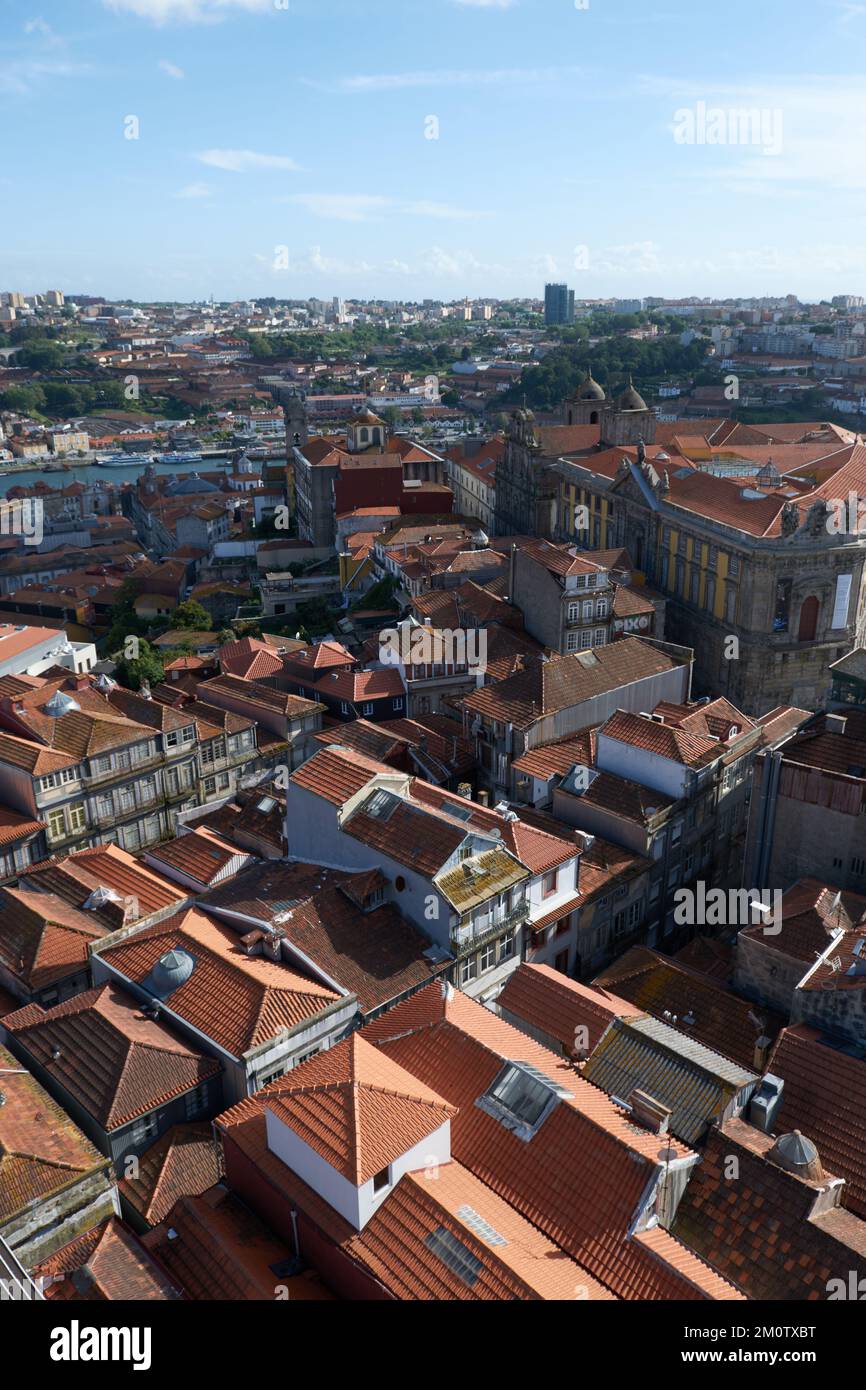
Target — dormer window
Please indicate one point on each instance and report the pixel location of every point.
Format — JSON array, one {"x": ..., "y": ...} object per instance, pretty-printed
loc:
[{"x": 521, "y": 1098}]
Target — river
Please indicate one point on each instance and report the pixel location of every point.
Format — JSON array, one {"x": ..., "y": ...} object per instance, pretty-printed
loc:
[{"x": 87, "y": 472}]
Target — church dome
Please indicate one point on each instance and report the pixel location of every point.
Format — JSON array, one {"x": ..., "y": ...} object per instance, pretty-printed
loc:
[
  {"x": 589, "y": 389},
  {"x": 631, "y": 399}
]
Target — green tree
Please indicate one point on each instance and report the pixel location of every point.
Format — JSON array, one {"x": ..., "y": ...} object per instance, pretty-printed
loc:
[
  {"x": 192, "y": 615},
  {"x": 147, "y": 666},
  {"x": 40, "y": 357},
  {"x": 25, "y": 400}
]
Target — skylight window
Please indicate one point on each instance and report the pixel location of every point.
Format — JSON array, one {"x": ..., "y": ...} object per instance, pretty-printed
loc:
[
  {"x": 455, "y": 1255},
  {"x": 381, "y": 805},
  {"x": 521, "y": 1098},
  {"x": 469, "y": 1216}
]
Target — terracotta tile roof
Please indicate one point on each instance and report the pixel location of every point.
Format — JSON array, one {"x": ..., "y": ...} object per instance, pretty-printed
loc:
[
  {"x": 238, "y": 1000},
  {"x": 562, "y": 683},
  {"x": 558, "y": 758},
  {"x": 550, "y": 1002},
  {"x": 825, "y": 1098},
  {"x": 677, "y": 744},
  {"x": 322, "y": 656},
  {"x": 33, "y": 757},
  {"x": 106, "y": 1263},
  {"x": 92, "y": 728},
  {"x": 378, "y": 741},
  {"x": 757, "y": 1231},
  {"x": 709, "y": 956},
  {"x": 14, "y": 827},
  {"x": 115, "y": 1063},
  {"x": 581, "y": 1178},
  {"x": 185, "y": 1162},
  {"x": 811, "y": 912},
  {"x": 257, "y": 696},
  {"x": 356, "y": 1108},
  {"x": 561, "y": 560},
  {"x": 42, "y": 938},
  {"x": 670, "y": 992},
  {"x": 223, "y": 1253},
  {"x": 376, "y": 956},
  {"x": 41, "y": 1149},
  {"x": 437, "y": 744},
  {"x": 76, "y": 877},
  {"x": 515, "y": 1261},
  {"x": 200, "y": 855},
  {"x": 337, "y": 773},
  {"x": 820, "y": 747},
  {"x": 630, "y": 800},
  {"x": 250, "y": 659},
  {"x": 533, "y": 846}
]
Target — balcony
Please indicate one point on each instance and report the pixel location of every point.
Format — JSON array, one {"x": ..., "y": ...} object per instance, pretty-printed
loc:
[{"x": 471, "y": 937}]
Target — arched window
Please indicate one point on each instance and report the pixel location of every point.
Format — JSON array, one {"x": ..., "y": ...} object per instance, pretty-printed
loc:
[
  {"x": 593, "y": 418},
  {"x": 364, "y": 436},
  {"x": 808, "y": 619}
]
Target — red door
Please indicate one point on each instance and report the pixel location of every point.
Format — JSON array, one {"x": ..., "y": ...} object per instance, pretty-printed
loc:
[{"x": 808, "y": 620}]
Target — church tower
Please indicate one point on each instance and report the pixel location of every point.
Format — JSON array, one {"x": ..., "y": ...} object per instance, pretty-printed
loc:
[{"x": 588, "y": 403}]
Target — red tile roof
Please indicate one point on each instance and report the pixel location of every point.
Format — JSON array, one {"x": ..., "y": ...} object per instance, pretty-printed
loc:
[
  {"x": 375, "y": 955},
  {"x": 582, "y": 1177},
  {"x": 41, "y": 1150},
  {"x": 222, "y": 1252},
  {"x": 337, "y": 773},
  {"x": 238, "y": 1000},
  {"x": 185, "y": 1162},
  {"x": 673, "y": 993},
  {"x": 115, "y": 1063},
  {"x": 106, "y": 1263},
  {"x": 356, "y": 1108},
  {"x": 556, "y": 1006},
  {"x": 825, "y": 1098}
]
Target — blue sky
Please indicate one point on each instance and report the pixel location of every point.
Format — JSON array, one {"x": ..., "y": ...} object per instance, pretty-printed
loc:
[{"x": 284, "y": 150}]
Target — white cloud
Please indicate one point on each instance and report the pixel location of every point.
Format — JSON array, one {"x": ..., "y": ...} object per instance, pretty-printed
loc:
[
  {"x": 195, "y": 190},
  {"x": 365, "y": 207},
  {"x": 245, "y": 161},
  {"x": 445, "y": 211},
  {"x": 171, "y": 69},
  {"x": 823, "y": 131},
  {"x": 363, "y": 83},
  {"x": 342, "y": 207},
  {"x": 22, "y": 77},
  {"x": 487, "y": 4},
  {"x": 187, "y": 11},
  {"x": 40, "y": 27}
]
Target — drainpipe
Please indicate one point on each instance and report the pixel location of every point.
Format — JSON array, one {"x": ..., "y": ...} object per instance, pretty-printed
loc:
[{"x": 295, "y": 1232}]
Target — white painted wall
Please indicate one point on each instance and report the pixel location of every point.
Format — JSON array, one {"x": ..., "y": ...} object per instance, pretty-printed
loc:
[{"x": 356, "y": 1204}]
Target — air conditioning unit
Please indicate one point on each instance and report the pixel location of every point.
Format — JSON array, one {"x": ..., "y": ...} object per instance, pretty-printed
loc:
[{"x": 765, "y": 1103}]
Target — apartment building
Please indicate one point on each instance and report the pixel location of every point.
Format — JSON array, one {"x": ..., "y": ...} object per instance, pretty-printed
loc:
[
  {"x": 551, "y": 699},
  {"x": 95, "y": 765},
  {"x": 571, "y": 600},
  {"x": 472, "y": 879}
]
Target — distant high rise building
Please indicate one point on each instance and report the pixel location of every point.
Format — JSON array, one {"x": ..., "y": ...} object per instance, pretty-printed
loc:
[
  {"x": 55, "y": 298},
  {"x": 558, "y": 304},
  {"x": 847, "y": 301}
]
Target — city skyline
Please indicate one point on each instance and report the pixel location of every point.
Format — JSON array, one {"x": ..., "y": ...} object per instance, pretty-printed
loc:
[{"x": 516, "y": 145}]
